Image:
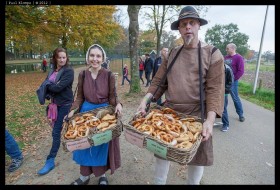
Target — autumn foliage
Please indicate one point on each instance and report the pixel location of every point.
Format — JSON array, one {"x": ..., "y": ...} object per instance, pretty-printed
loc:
[{"x": 40, "y": 29}]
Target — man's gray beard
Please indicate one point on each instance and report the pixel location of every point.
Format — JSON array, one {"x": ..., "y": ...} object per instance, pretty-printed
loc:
[{"x": 188, "y": 40}]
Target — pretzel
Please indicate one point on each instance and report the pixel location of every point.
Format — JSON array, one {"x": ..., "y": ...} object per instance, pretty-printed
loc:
[
  {"x": 109, "y": 127},
  {"x": 157, "y": 116},
  {"x": 139, "y": 127},
  {"x": 71, "y": 134},
  {"x": 157, "y": 111},
  {"x": 87, "y": 115},
  {"x": 190, "y": 119},
  {"x": 71, "y": 127},
  {"x": 185, "y": 145},
  {"x": 183, "y": 137},
  {"x": 190, "y": 135},
  {"x": 148, "y": 129},
  {"x": 73, "y": 123},
  {"x": 149, "y": 115},
  {"x": 79, "y": 120},
  {"x": 108, "y": 117},
  {"x": 155, "y": 133},
  {"x": 195, "y": 127},
  {"x": 112, "y": 121},
  {"x": 169, "y": 111},
  {"x": 167, "y": 138},
  {"x": 173, "y": 133},
  {"x": 160, "y": 134},
  {"x": 195, "y": 136},
  {"x": 184, "y": 129},
  {"x": 137, "y": 122},
  {"x": 170, "y": 118},
  {"x": 83, "y": 131},
  {"x": 159, "y": 125},
  {"x": 102, "y": 125},
  {"x": 94, "y": 123},
  {"x": 101, "y": 113}
]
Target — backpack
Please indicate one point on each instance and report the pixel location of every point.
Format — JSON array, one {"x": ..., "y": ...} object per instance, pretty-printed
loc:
[{"x": 229, "y": 78}]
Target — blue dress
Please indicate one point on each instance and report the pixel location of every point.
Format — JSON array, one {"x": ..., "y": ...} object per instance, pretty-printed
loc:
[{"x": 95, "y": 155}]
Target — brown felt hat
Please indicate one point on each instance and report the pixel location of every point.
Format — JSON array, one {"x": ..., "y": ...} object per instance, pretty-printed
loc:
[{"x": 188, "y": 12}]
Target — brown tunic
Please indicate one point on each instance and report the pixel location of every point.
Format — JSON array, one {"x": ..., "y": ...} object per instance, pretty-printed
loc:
[
  {"x": 182, "y": 93},
  {"x": 99, "y": 91}
]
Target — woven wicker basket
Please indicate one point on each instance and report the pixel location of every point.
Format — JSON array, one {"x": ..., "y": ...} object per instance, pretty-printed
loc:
[
  {"x": 116, "y": 130},
  {"x": 130, "y": 128},
  {"x": 168, "y": 152}
]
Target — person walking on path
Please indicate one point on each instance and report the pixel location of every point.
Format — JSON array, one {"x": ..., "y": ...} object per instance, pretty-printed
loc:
[
  {"x": 125, "y": 75},
  {"x": 148, "y": 67},
  {"x": 12, "y": 149},
  {"x": 96, "y": 88},
  {"x": 182, "y": 90},
  {"x": 236, "y": 62},
  {"x": 141, "y": 69},
  {"x": 61, "y": 78},
  {"x": 229, "y": 80},
  {"x": 44, "y": 65},
  {"x": 158, "y": 61}
]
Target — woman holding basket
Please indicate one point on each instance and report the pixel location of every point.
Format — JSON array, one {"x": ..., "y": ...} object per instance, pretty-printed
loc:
[{"x": 96, "y": 88}]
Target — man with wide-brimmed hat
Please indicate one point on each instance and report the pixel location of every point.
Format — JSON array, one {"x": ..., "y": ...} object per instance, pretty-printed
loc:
[{"x": 195, "y": 86}]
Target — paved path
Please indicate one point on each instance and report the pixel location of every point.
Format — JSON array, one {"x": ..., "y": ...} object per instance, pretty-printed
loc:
[{"x": 243, "y": 155}]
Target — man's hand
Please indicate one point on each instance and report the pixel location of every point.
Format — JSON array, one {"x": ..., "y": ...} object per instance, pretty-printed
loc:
[
  {"x": 142, "y": 107},
  {"x": 207, "y": 127}
]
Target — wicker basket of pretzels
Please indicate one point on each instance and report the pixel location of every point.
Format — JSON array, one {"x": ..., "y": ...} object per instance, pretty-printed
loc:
[
  {"x": 168, "y": 134},
  {"x": 91, "y": 128}
]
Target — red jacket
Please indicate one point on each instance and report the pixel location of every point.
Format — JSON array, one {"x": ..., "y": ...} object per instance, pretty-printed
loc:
[{"x": 45, "y": 62}]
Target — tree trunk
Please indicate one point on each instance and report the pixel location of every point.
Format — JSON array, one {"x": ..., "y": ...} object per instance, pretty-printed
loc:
[{"x": 133, "y": 11}]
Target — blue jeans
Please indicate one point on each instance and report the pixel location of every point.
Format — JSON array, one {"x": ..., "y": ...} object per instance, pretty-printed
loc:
[
  {"x": 125, "y": 77},
  {"x": 148, "y": 74},
  {"x": 225, "y": 114},
  {"x": 56, "y": 132},
  {"x": 236, "y": 99},
  {"x": 141, "y": 76},
  {"x": 11, "y": 146}
]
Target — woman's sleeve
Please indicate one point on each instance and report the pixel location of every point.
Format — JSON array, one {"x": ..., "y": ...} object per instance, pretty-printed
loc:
[{"x": 113, "y": 97}]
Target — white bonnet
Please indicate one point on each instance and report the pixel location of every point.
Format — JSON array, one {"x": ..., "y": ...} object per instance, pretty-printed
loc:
[{"x": 104, "y": 58}]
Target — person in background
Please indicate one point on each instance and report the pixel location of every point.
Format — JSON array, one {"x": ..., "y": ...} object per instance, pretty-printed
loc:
[
  {"x": 12, "y": 149},
  {"x": 44, "y": 65},
  {"x": 51, "y": 63},
  {"x": 141, "y": 69},
  {"x": 148, "y": 67},
  {"x": 229, "y": 80},
  {"x": 60, "y": 90},
  {"x": 95, "y": 90},
  {"x": 125, "y": 75},
  {"x": 182, "y": 90},
  {"x": 104, "y": 65},
  {"x": 236, "y": 62},
  {"x": 158, "y": 61}
]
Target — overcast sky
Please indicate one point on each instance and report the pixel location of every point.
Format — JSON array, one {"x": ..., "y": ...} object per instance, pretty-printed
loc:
[{"x": 249, "y": 19}]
